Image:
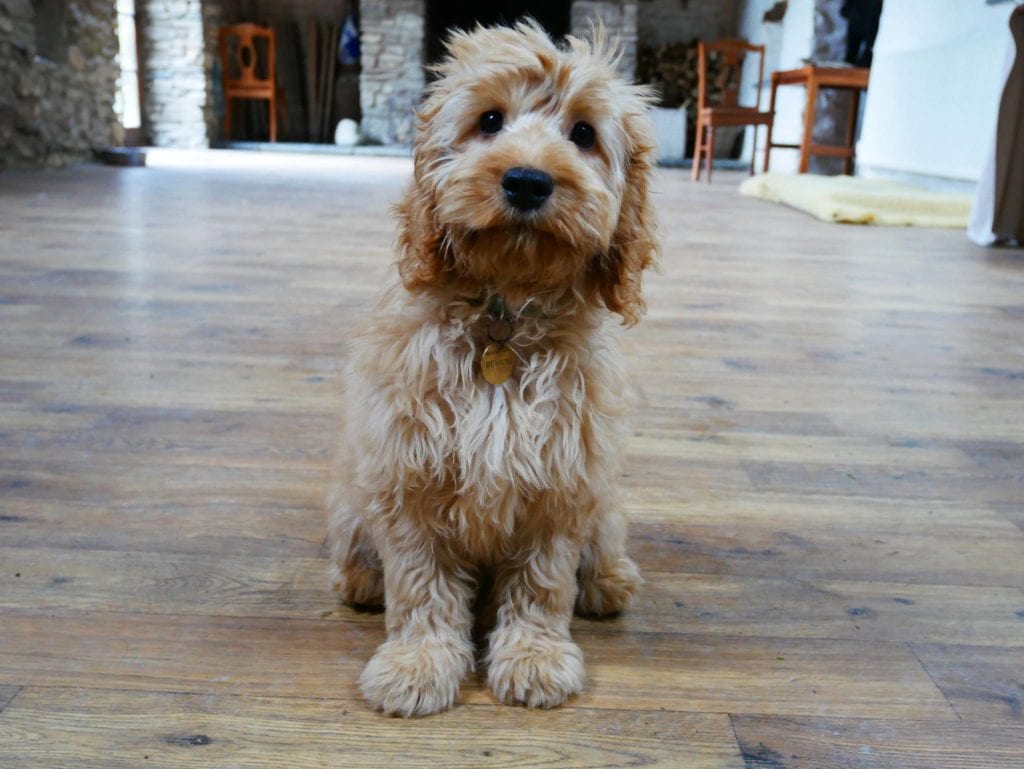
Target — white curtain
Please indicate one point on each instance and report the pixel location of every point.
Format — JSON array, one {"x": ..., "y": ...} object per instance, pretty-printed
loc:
[{"x": 936, "y": 81}]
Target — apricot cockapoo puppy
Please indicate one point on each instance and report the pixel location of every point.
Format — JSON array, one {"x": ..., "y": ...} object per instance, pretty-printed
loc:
[{"x": 483, "y": 407}]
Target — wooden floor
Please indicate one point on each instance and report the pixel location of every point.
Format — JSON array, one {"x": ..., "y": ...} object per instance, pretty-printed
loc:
[{"x": 826, "y": 483}]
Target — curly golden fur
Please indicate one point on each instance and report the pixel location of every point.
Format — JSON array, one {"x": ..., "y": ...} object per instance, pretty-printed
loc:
[{"x": 448, "y": 483}]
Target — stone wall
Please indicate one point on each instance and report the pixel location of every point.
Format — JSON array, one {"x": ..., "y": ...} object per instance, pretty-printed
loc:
[
  {"x": 213, "y": 111},
  {"x": 619, "y": 18},
  {"x": 178, "y": 47},
  {"x": 833, "y": 108},
  {"x": 675, "y": 21},
  {"x": 392, "y": 78},
  {"x": 56, "y": 109}
]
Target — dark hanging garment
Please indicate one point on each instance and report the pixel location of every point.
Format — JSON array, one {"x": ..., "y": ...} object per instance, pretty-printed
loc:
[
  {"x": 1008, "y": 218},
  {"x": 862, "y": 17},
  {"x": 998, "y": 214}
]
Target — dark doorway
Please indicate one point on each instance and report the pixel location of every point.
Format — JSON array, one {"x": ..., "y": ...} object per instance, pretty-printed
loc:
[
  {"x": 862, "y": 17},
  {"x": 443, "y": 15}
]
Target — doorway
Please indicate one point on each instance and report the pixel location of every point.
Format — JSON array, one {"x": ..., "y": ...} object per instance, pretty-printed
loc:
[{"x": 443, "y": 15}]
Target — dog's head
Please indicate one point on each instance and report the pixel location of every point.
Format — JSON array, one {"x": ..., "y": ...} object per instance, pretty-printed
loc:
[{"x": 532, "y": 166}]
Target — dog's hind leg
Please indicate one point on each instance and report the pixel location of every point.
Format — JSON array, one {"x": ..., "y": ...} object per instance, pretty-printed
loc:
[
  {"x": 357, "y": 574},
  {"x": 608, "y": 578}
]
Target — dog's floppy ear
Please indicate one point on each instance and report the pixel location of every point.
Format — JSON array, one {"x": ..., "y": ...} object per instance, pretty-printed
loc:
[
  {"x": 634, "y": 246},
  {"x": 422, "y": 258}
]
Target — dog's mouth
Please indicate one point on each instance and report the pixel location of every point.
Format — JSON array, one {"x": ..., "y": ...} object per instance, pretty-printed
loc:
[
  {"x": 523, "y": 216},
  {"x": 516, "y": 227},
  {"x": 517, "y": 254}
]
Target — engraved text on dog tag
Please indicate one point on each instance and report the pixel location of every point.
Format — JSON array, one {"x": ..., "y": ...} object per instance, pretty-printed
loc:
[{"x": 497, "y": 363}]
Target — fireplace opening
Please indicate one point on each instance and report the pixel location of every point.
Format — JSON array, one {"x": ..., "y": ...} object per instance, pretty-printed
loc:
[
  {"x": 443, "y": 15},
  {"x": 316, "y": 73}
]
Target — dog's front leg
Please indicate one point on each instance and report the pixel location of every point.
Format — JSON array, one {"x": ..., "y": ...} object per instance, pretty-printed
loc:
[
  {"x": 417, "y": 671},
  {"x": 532, "y": 660}
]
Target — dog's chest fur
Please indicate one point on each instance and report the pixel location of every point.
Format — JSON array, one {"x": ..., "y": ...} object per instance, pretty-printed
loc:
[
  {"x": 475, "y": 456},
  {"x": 523, "y": 437}
]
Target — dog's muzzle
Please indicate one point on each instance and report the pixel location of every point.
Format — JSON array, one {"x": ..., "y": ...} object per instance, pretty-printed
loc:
[{"x": 527, "y": 188}]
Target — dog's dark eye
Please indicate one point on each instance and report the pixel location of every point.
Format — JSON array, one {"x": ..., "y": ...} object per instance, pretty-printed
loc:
[
  {"x": 491, "y": 122},
  {"x": 583, "y": 135}
]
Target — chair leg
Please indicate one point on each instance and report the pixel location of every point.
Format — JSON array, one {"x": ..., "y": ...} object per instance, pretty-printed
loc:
[
  {"x": 697, "y": 144},
  {"x": 753, "y": 149},
  {"x": 227, "y": 119},
  {"x": 851, "y": 130},
  {"x": 771, "y": 124},
  {"x": 809, "y": 118},
  {"x": 281, "y": 104},
  {"x": 272, "y": 107},
  {"x": 709, "y": 151}
]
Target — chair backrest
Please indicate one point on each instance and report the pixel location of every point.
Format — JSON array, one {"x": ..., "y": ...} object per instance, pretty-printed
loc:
[
  {"x": 247, "y": 56},
  {"x": 729, "y": 55}
]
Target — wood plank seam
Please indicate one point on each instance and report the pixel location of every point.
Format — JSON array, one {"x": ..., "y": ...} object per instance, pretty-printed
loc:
[
  {"x": 593, "y": 629},
  {"x": 483, "y": 706},
  {"x": 4, "y": 703},
  {"x": 952, "y": 707}
]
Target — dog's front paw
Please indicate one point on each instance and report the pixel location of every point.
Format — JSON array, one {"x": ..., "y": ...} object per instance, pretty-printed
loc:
[
  {"x": 416, "y": 677},
  {"x": 609, "y": 591},
  {"x": 537, "y": 671}
]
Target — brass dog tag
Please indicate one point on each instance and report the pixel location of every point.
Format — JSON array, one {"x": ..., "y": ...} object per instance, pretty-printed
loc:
[{"x": 497, "y": 363}]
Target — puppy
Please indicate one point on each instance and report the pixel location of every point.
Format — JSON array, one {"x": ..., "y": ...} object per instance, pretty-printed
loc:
[{"x": 482, "y": 432}]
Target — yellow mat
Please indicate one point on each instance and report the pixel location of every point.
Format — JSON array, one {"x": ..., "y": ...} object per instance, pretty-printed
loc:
[{"x": 854, "y": 200}]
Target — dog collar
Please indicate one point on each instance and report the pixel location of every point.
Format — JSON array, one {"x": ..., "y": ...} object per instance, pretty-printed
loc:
[{"x": 498, "y": 360}]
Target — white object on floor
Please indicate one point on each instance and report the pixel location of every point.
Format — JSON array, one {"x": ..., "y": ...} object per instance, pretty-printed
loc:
[
  {"x": 347, "y": 133},
  {"x": 670, "y": 133},
  {"x": 855, "y": 200}
]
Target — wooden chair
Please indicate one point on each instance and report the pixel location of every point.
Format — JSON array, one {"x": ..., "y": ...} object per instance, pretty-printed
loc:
[
  {"x": 245, "y": 75},
  {"x": 728, "y": 112}
]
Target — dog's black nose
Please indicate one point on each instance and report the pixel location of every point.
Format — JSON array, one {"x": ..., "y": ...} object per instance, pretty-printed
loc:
[{"x": 527, "y": 188}]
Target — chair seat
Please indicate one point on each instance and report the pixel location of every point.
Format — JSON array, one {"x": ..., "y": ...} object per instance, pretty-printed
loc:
[
  {"x": 249, "y": 91},
  {"x": 734, "y": 116}
]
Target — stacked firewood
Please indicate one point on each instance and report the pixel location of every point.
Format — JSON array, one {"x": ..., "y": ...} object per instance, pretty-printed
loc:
[
  {"x": 672, "y": 69},
  {"x": 320, "y": 58}
]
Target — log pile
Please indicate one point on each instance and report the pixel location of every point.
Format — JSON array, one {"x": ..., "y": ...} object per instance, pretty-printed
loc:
[
  {"x": 307, "y": 69},
  {"x": 320, "y": 54},
  {"x": 672, "y": 69}
]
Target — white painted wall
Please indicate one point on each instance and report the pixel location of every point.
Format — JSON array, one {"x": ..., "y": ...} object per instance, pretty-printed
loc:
[{"x": 936, "y": 81}]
